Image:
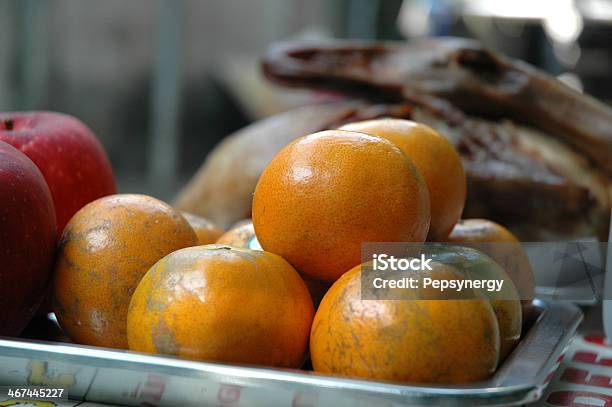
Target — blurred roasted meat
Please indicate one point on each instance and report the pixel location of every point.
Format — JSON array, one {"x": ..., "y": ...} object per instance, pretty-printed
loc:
[{"x": 476, "y": 80}]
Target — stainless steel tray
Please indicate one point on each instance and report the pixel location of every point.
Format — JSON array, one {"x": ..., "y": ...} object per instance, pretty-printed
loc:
[{"x": 128, "y": 378}]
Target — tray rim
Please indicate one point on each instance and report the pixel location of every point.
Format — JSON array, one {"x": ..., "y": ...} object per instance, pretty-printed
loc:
[{"x": 568, "y": 314}]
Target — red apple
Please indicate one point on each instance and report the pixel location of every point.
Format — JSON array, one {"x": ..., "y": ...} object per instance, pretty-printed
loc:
[
  {"x": 67, "y": 153},
  {"x": 27, "y": 239}
]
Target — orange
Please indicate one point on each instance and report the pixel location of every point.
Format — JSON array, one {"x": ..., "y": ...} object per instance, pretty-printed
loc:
[
  {"x": 104, "y": 251},
  {"x": 435, "y": 158},
  {"x": 222, "y": 304},
  {"x": 326, "y": 193},
  {"x": 206, "y": 231},
  {"x": 505, "y": 248},
  {"x": 404, "y": 340},
  {"x": 241, "y": 235}
]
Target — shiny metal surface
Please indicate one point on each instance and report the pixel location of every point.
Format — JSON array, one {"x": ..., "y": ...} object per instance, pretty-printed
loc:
[{"x": 129, "y": 378}]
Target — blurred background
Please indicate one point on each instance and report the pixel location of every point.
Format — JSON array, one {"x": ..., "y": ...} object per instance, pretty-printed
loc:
[{"x": 161, "y": 82}]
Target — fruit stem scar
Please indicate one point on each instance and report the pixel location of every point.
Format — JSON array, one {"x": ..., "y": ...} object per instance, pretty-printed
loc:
[{"x": 9, "y": 124}]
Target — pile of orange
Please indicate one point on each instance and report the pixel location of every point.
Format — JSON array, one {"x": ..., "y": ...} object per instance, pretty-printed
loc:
[{"x": 161, "y": 287}]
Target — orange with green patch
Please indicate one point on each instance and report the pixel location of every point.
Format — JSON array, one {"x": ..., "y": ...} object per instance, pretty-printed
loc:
[
  {"x": 407, "y": 340},
  {"x": 104, "y": 251},
  {"x": 225, "y": 304}
]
